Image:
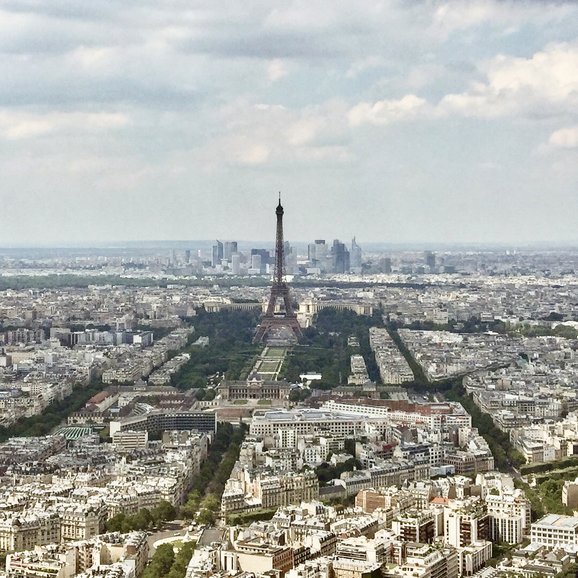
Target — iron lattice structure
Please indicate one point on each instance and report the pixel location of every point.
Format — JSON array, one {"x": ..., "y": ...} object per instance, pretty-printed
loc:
[{"x": 279, "y": 291}]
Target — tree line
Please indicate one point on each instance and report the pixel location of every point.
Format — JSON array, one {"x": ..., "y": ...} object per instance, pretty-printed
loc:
[
  {"x": 230, "y": 350},
  {"x": 204, "y": 499},
  {"x": 505, "y": 454},
  {"x": 58, "y": 281},
  {"x": 144, "y": 519},
  {"x": 43, "y": 423},
  {"x": 324, "y": 348},
  {"x": 167, "y": 564},
  {"x": 202, "y": 503}
]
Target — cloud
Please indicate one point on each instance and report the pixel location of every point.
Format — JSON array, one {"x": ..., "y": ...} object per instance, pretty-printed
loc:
[
  {"x": 565, "y": 138},
  {"x": 23, "y": 125},
  {"x": 273, "y": 134},
  {"x": 543, "y": 85},
  {"x": 276, "y": 70},
  {"x": 151, "y": 54},
  {"x": 246, "y": 152},
  {"x": 458, "y": 15},
  {"x": 94, "y": 59},
  {"x": 384, "y": 112}
]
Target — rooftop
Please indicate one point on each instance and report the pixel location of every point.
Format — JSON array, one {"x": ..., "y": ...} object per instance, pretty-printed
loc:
[{"x": 568, "y": 522}]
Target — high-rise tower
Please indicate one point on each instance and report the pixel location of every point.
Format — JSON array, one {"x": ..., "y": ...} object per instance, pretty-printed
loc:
[
  {"x": 275, "y": 323},
  {"x": 355, "y": 257},
  {"x": 217, "y": 254},
  {"x": 340, "y": 256}
]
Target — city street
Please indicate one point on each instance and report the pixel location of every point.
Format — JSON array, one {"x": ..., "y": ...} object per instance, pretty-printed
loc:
[{"x": 176, "y": 528}]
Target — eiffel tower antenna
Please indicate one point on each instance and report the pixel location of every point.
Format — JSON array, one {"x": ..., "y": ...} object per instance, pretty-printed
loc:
[{"x": 279, "y": 291}]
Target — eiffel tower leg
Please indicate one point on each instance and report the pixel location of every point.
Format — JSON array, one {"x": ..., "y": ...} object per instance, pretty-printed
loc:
[{"x": 271, "y": 305}]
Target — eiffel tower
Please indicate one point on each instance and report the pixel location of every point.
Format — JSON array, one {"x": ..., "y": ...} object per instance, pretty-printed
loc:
[{"x": 276, "y": 323}]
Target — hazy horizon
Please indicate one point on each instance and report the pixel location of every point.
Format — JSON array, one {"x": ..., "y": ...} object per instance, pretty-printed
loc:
[{"x": 245, "y": 245}]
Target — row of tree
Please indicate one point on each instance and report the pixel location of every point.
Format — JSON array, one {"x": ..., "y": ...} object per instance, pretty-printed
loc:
[
  {"x": 43, "y": 423},
  {"x": 230, "y": 349},
  {"x": 546, "y": 496},
  {"x": 203, "y": 509},
  {"x": 571, "y": 462},
  {"x": 476, "y": 325},
  {"x": 78, "y": 281},
  {"x": 167, "y": 564},
  {"x": 143, "y": 520},
  {"x": 204, "y": 499},
  {"x": 505, "y": 455},
  {"x": 324, "y": 348},
  {"x": 419, "y": 377}
]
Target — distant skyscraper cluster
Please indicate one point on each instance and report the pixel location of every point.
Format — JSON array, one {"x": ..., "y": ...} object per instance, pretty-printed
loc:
[
  {"x": 334, "y": 258},
  {"x": 226, "y": 258},
  {"x": 321, "y": 258}
]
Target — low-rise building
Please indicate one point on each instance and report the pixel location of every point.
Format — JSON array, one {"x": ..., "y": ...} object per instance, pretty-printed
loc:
[{"x": 555, "y": 530}]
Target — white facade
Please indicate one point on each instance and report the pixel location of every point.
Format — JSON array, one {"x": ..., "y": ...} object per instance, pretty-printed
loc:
[{"x": 553, "y": 530}]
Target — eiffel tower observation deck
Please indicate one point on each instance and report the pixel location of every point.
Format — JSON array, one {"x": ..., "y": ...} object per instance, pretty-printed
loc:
[{"x": 279, "y": 324}]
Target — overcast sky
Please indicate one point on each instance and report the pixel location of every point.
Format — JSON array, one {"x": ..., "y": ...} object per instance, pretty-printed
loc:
[{"x": 396, "y": 121}]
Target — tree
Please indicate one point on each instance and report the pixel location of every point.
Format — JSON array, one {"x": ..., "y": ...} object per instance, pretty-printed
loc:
[
  {"x": 565, "y": 331},
  {"x": 142, "y": 520},
  {"x": 190, "y": 507},
  {"x": 299, "y": 394},
  {"x": 214, "y": 473},
  {"x": 115, "y": 523},
  {"x": 161, "y": 563},
  {"x": 211, "y": 502},
  {"x": 326, "y": 472},
  {"x": 127, "y": 526},
  {"x": 182, "y": 559},
  {"x": 206, "y": 517},
  {"x": 164, "y": 511}
]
